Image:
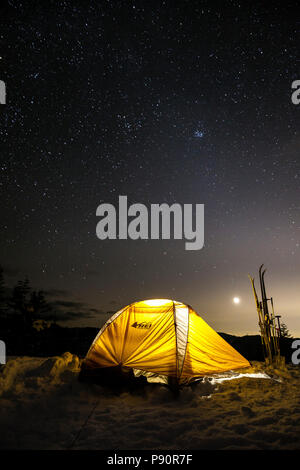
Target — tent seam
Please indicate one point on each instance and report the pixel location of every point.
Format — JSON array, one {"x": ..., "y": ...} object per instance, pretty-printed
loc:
[{"x": 187, "y": 339}]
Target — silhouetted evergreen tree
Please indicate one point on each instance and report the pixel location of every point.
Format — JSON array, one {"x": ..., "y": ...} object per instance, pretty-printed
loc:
[
  {"x": 284, "y": 332},
  {"x": 20, "y": 302},
  {"x": 39, "y": 304}
]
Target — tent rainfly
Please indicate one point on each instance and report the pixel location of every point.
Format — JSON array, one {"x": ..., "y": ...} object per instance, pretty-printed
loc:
[{"x": 164, "y": 340}]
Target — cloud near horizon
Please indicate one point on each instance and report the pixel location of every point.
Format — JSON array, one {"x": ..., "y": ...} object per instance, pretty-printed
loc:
[{"x": 66, "y": 310}]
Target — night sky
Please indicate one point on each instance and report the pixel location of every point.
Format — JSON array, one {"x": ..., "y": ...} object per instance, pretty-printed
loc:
[{"x": 165, "y": 102}]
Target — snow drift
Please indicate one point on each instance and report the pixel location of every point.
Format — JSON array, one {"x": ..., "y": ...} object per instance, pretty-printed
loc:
[{"x": 43, "y": 406}]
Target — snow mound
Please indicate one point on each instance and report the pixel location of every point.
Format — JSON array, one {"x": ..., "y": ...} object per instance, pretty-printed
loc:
[
  {"x": 44, "y": 406},
  {"x": 23, "y": 373}
]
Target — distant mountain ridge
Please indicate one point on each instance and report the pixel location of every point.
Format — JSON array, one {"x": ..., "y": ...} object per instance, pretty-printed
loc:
[{"x": 56, "y": 340}]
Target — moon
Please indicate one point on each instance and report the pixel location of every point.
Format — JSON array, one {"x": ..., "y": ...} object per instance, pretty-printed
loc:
[{"x": 236, "y": 300}]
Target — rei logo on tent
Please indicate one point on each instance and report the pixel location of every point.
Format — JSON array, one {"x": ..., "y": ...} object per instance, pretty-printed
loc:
[{"x": 143, "y": 325}]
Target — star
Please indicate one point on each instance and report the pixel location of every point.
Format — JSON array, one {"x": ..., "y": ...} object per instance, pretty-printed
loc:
[{"x": 198, "y": 134}]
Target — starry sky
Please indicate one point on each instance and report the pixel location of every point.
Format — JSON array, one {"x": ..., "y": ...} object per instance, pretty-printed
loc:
[{"x": 162, "y": 101}]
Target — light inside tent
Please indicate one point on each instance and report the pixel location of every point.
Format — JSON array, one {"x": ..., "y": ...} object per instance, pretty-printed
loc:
[
  {"x": 156, "y": 302},
  {"x": 236, "y": 300}
]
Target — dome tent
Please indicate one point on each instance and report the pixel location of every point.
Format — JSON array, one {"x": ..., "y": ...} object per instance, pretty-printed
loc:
[{"x": 164, "y": 340}]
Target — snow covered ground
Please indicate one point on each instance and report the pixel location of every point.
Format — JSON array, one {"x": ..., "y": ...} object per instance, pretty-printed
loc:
[{"x": 43, "y": 406}]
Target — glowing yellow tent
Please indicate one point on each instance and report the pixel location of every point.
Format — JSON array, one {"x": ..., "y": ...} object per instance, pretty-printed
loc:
[{"x": 161, "y": 339}]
